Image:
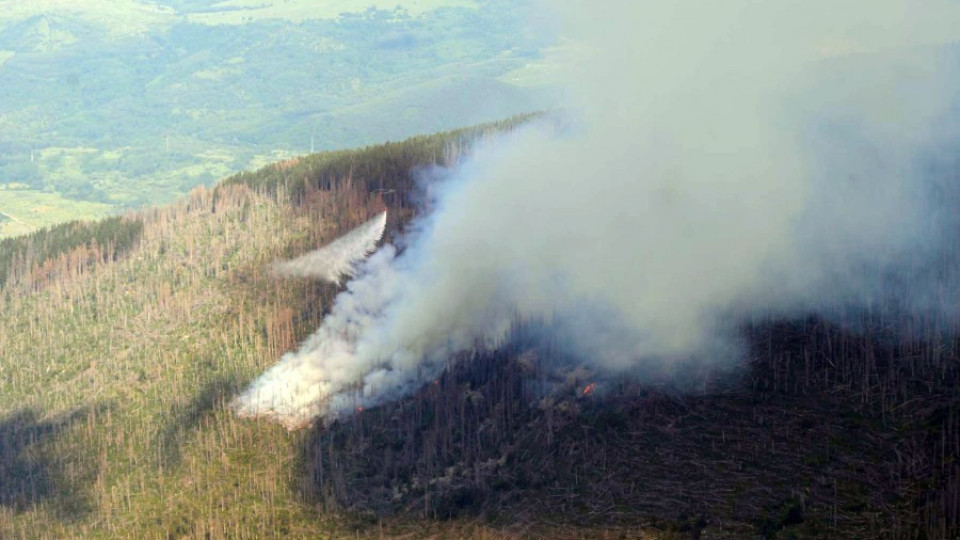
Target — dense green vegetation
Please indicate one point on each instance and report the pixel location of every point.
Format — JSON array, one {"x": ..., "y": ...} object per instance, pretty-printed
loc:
[
  {"x": 94, "y": 113},
  {"x": 108, "y": 239}
]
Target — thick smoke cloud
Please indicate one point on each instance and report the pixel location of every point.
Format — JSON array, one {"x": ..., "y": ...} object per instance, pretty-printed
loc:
[{"x": 720, "y": 160}]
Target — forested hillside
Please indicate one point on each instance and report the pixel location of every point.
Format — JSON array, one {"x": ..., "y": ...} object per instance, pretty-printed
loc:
[{"x": 122, "y": 341}]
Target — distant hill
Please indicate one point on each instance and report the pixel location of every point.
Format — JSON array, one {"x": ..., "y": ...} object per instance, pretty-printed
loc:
[{"x": 123, "y": 103}]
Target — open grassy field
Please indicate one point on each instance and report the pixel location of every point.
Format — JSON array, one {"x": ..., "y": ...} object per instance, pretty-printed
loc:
[
  {"x": 245, "y": 11},
  {"x": 29, "y": 210}
]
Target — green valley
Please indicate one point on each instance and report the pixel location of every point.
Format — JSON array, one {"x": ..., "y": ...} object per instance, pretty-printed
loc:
[{"x": 107, "y": 105}]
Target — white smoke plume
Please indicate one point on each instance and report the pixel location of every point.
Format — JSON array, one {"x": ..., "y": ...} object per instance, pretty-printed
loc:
[
  {"x": 291, "y": 390},
  {"x": 339, "y": 258},
  {"x": 725, "y": 160}
]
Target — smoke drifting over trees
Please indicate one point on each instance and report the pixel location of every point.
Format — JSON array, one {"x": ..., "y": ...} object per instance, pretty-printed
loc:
[
  {"x": 719, "y": 161},
  {"x": 291, "y": 390},
  {"x": 338, "y": 259}
]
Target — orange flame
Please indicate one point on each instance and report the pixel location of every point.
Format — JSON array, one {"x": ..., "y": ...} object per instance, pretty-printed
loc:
[{"x": 589, "y": 388}]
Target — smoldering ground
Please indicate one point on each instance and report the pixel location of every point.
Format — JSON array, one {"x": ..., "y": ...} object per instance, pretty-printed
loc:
[{"x": 719, "y": 162}]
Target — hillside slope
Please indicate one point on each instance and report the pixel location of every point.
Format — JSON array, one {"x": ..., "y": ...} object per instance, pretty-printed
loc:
[
  {"x": 116, "y": 362},
  {"x": 122, "y": 341}
]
